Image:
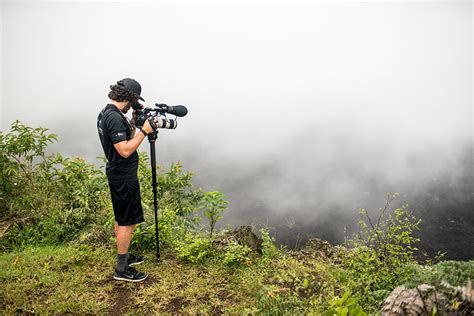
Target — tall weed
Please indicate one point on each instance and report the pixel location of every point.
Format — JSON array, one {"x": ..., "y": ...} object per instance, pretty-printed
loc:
[{"x": 381, "y": 253}]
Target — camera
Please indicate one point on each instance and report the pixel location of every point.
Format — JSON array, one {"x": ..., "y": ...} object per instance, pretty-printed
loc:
[{"x": 157, "y": 115}]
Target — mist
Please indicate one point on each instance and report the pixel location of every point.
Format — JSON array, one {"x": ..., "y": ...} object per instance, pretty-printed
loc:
[{"x": 300, "y": 113}]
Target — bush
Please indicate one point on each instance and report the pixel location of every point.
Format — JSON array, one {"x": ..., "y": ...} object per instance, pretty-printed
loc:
[
  {"x": 214, "y": 204},
  {"x": 236, "y": 254},
  {"x": 382, "y": 253},
  {"x": 51, "y": 198},
  {"x": 60, "y": 226},
  {"x": 456, "y": 273},
  {"x": 345, "y": 305},
  {"x": 81, "y": 185},
  {"x": 193, "y": 248},
  {"x": 269, "y": 250},
  {"x": 171, "y": 228},
  {"x": 177, "y": 206},
  {"x": 55, "y": 200},
  {"x": 22, "y": 185},
  {"x": 174, "y": 188}
]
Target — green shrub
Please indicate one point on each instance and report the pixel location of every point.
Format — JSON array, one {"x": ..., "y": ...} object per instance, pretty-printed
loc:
[
  {"x": 381, "y": 254},
  {"x": 51, "y": 198},
  {"x": 59, "y": 226},
  {"x": 236, "y": 254},
  {"x": 214, "y": 204},
  {"x": 455, "y": 273},
  {"x": 344, "y": 306},
  {"x": 171, "y": 228},
  {"x": 56, "y": 200},
  {"x": 269, "y": 250},
  {"x": 22, "y": 185},
  {"x": 81, "y": 185},
  {"x": 174, "y": 187},
  {"x": 192, "y": 248},
  {"x": 177, "y": 206}
]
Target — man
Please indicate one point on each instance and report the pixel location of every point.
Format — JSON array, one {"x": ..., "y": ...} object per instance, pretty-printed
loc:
[{"x": 120, "y": 142}]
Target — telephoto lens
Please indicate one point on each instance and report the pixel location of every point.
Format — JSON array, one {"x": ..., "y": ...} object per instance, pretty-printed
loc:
[{"x": 163, "y": 122}]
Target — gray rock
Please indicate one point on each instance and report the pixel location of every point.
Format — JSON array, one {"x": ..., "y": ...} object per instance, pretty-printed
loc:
[
  {"x": 243, "y": 235},
  {"x": 426, "y": 300}
]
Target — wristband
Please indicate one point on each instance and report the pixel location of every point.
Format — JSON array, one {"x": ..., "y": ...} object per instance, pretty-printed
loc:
[{"x": 143, "y": 131}]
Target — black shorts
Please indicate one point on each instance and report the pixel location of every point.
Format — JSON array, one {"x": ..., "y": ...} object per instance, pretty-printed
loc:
[{"x": 126, "y": 202}]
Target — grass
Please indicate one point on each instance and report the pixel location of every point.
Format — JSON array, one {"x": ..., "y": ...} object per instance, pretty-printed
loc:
[
  {"x": 68, "y": 279},
  {"x": 55, "y": 279},
  {"x": 78, "y": 279}
]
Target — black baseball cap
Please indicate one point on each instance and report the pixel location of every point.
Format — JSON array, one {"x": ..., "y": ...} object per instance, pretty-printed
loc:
[{"x": 131, "y": 85}]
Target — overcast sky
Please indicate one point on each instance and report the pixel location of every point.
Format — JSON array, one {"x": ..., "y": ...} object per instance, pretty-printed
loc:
[{"x": 293, "y": 107}]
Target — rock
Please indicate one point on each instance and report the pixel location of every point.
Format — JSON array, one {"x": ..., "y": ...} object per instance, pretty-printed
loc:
[
  {"x": 246, "y": 237},
  {"x": 427, "y": 299},
  {"x": 243, "y": 235},
  {"x": 403, "y": 301},
  {"x": 317, "y": 248}
]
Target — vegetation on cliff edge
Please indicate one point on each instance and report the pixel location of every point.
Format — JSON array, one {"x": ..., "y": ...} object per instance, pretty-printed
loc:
[{"x": 57, "y": 250}]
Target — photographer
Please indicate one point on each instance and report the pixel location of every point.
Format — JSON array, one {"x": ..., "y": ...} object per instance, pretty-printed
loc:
[{"x": 120, "y": 142}]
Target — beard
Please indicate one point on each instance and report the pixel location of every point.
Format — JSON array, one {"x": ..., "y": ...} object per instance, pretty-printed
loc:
[{"x": 127, "y": 107}]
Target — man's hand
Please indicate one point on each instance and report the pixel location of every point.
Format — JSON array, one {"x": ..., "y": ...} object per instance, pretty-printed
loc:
[{"x": 147, "y": 127}]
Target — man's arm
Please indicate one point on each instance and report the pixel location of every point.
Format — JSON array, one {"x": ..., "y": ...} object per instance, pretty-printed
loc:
[
  {"x": 127, "y": 147},
  {"x": 116, "y": 129}
]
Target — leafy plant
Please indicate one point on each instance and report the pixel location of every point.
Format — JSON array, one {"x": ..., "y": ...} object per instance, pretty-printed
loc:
[
  {"x": 20, "y": 150},
  {"x": 391, "y": 236},
  {"x": 269, "y": 250},
  {"x": 456, "y": 273},
  {"x": 381, "y": 254},
  {"x": 52, "y": 199},
  {"x": 192, "y": 248},
  {"x": 344, "y": 306},
  {"x": 171, "y": 229},
  {"x": 174, "y": 187},
  {"x": 236, "y": 254},
  {"x": 213, "y": 203}
]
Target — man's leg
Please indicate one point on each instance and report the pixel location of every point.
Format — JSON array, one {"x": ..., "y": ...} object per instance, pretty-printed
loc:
[
  {"x": 124, "y": 236},
  {"x": 127, "y": 210}
]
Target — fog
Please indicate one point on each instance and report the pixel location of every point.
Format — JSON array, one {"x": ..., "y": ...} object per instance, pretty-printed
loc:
[{"x": 300, "y": 113}]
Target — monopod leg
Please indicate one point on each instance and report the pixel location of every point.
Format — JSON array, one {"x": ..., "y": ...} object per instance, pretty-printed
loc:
[{"x": 155, "y": 193}]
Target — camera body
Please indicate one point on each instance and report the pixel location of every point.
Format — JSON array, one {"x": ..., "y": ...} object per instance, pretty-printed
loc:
[{"x": 156, "y": 116}]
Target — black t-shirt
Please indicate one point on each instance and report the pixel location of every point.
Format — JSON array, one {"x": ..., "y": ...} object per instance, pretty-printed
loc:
[{"x": 113, "y": 127}]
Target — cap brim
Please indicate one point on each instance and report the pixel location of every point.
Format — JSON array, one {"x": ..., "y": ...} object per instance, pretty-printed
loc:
[{"x": 142, "y": 99}]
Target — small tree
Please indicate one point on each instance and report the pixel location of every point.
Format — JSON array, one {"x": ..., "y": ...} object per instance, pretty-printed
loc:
[
  {"x": 213, "y": 203},
  {"x": 382, "y": 252}
]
